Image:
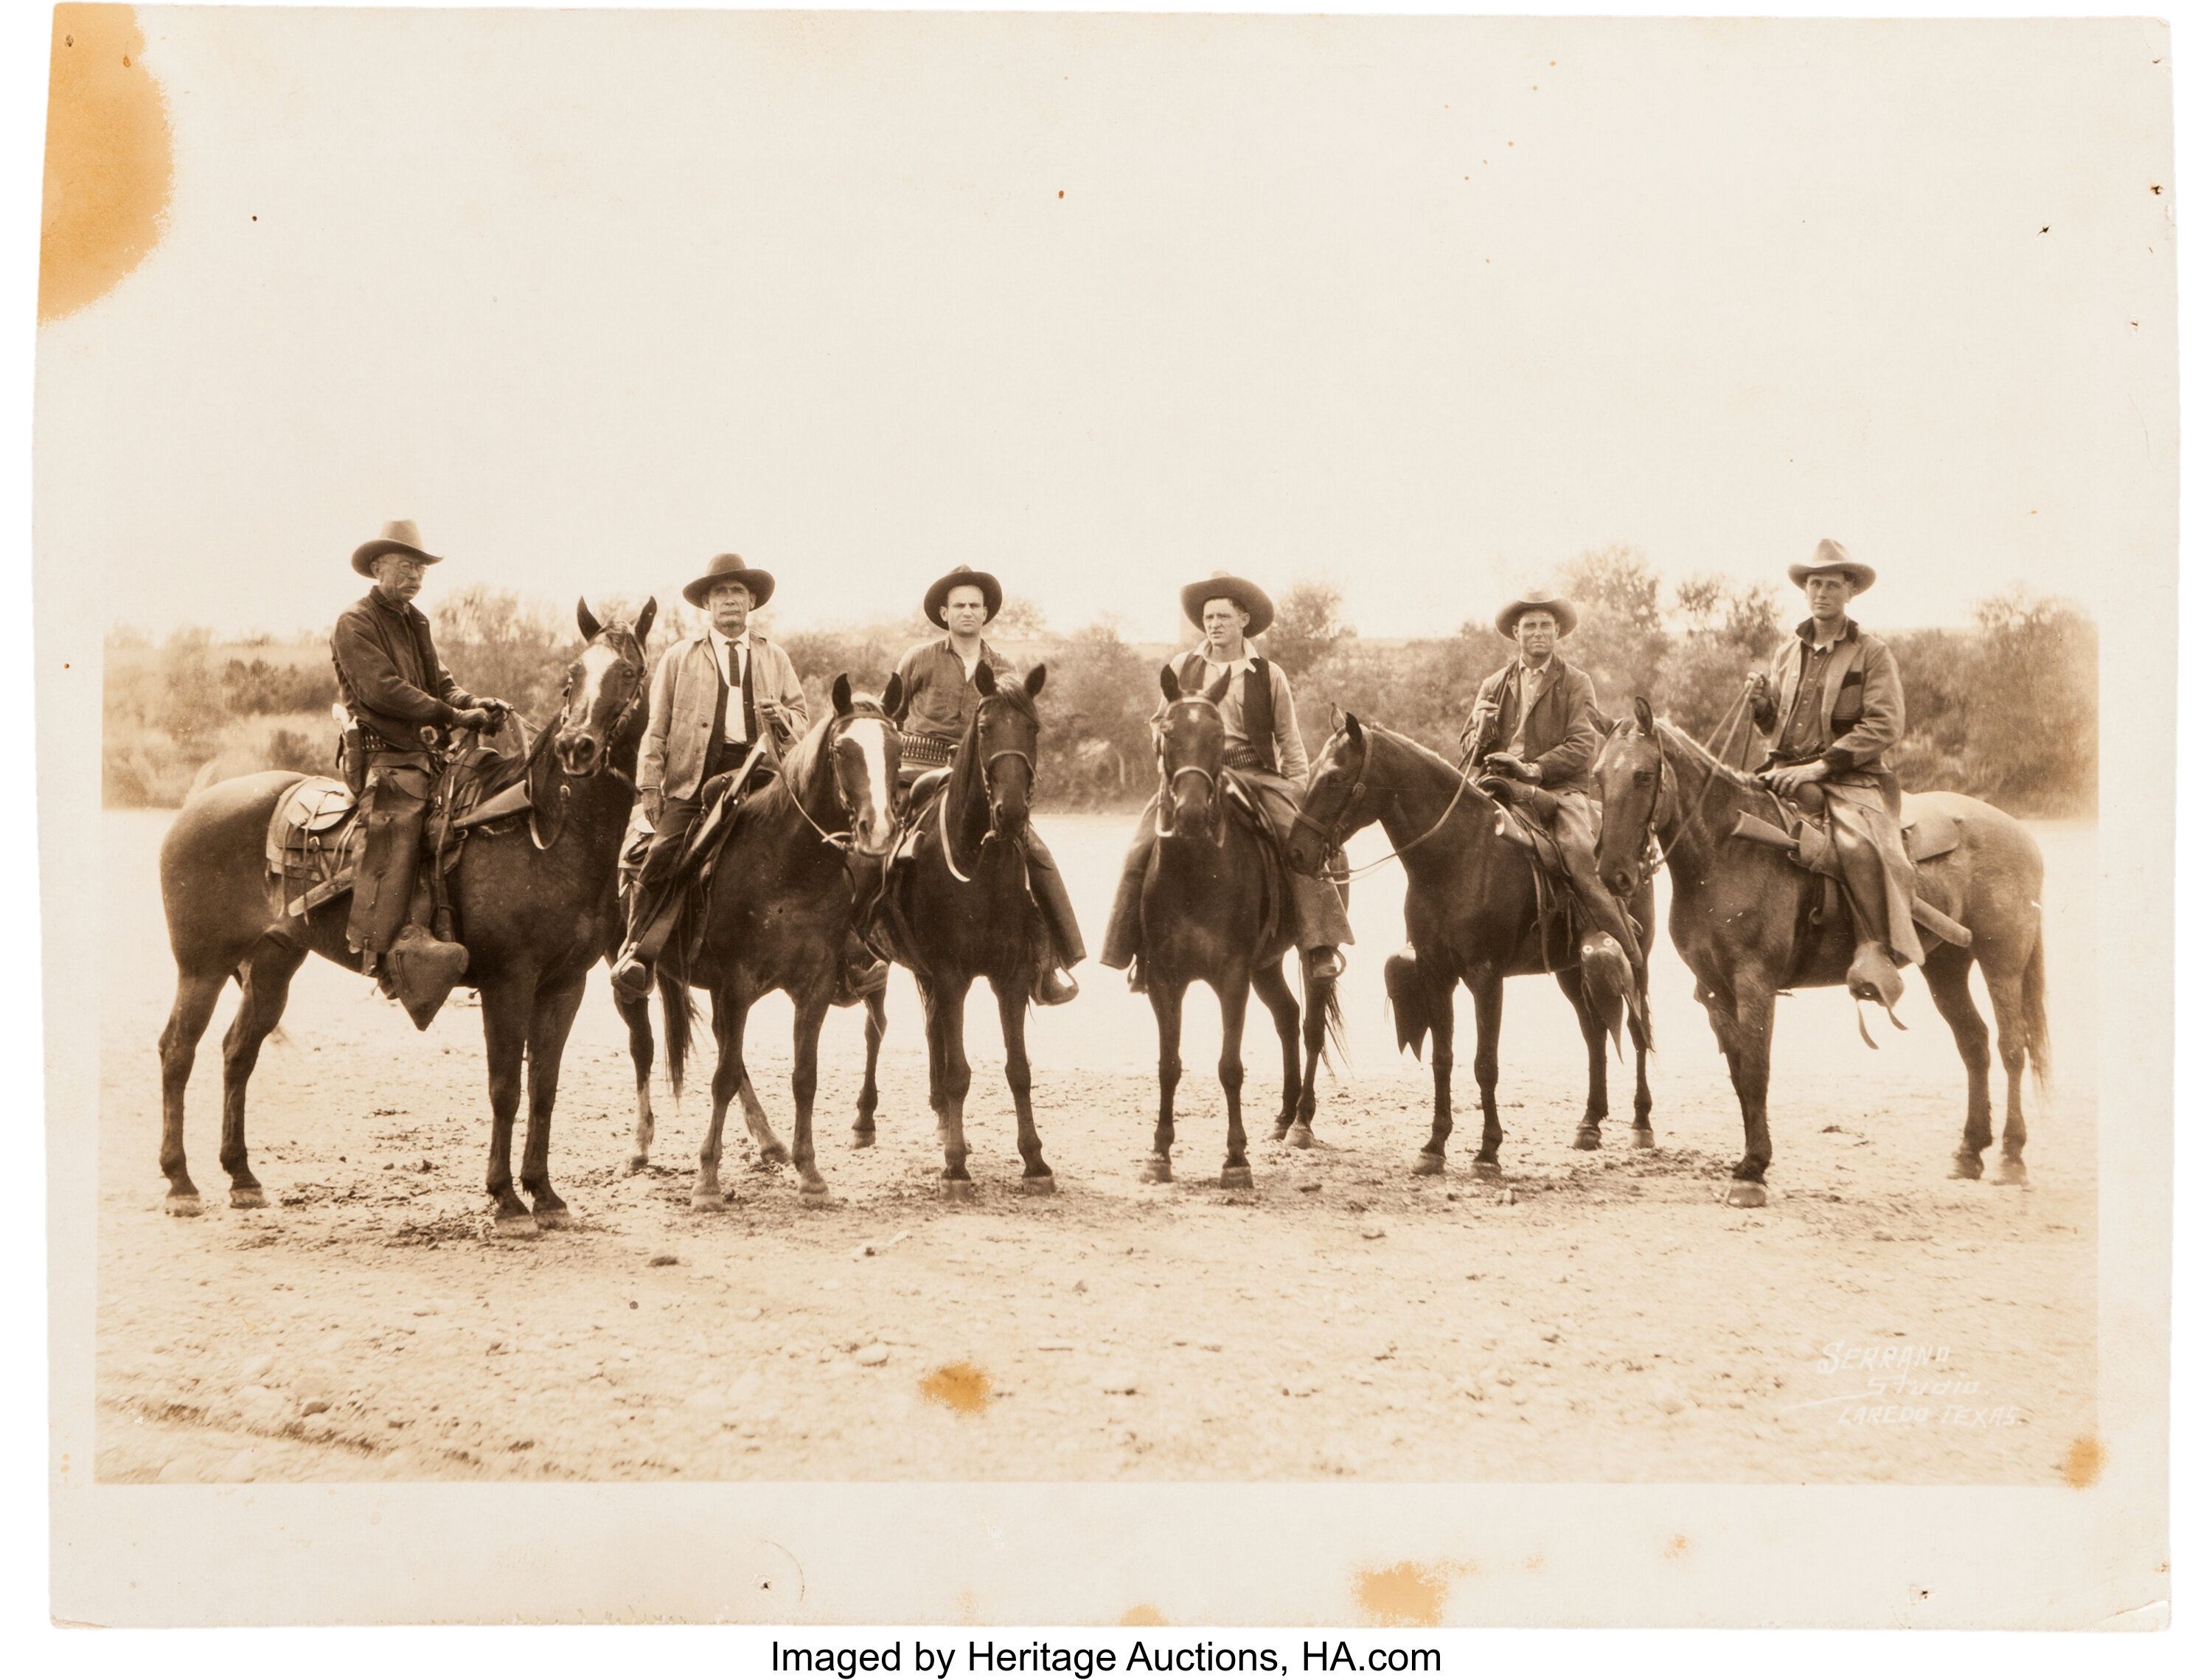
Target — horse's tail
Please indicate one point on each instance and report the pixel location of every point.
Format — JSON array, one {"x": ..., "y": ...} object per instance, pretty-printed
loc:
[
  {"x": 2032, "y": 1019},
  {"x": 678, "y": 1013},
  {"x": 1409, "y": 1012},
  {"x": 1323, "y": 1000}
]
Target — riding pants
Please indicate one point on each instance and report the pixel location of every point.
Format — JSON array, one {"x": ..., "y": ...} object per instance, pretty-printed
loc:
[
  {"x": 396, "y": 800},
  {"x": 1870, "y": 850}
]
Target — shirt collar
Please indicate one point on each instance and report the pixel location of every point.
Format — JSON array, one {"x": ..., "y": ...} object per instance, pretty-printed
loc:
[
  {"x": 724, "y": 642},
  {"x": 1848, "y": 633},
  {"x": 1538, "y": 671},
  {"x": 1244, "y": 662}
]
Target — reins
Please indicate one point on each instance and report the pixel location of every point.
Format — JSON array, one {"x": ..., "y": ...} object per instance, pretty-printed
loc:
[
  {"x": 945, "y": 804},
  {"x": 1331, "y": 845},
  {"x": 1725, "y": 731}
]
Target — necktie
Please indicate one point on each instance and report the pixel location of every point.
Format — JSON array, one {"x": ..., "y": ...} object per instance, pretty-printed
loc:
[{"x": 743, "y": 682}]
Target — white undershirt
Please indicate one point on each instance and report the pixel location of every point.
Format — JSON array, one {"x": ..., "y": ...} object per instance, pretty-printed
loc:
[{"x": 733, "y": 715}]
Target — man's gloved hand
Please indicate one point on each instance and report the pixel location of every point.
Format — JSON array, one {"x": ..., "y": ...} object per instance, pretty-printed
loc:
[
  {"x": 1514, "y": 770},
  {"x": 478, "y": 718},
  {"x": 651, "y": 799},
  {"x": 1788, "y": 780}
]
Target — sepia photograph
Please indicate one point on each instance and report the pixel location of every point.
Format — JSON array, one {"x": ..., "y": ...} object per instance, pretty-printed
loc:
[{"x": 954, "y": 815}]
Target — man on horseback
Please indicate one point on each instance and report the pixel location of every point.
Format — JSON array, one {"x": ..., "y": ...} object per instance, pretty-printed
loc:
[
  {"x": 721, "y": 700},
  {"x": 1831, "y": 703},
  {"x": 396, "y": 688},
  {"x": 937, "y": 701},
  {"x": 1534, "y": 732},
  {"x": 1264, "y": 747}
]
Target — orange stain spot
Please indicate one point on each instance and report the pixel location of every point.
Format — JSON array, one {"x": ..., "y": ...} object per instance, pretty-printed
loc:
[
  {"x": 1406, "y": 1595},
  {"x": 1677, "y": 1547},
  {"x": 962, "y": 1387},
  {"x": 1142, "y": 1615},
  {"x": 2085, "y": 1462},
  {"x": 109, "y": 167}
]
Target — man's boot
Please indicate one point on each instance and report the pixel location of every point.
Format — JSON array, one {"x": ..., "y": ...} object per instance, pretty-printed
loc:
[{"x": 1873, "y": 975}]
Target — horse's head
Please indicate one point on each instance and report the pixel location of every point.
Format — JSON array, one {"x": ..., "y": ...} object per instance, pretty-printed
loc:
[
  {"x": 1188, "y": 739},
  {"x": 604, "y": 692},
  {"x": 863, "y": 749},
  {"x": 1336, "y": 802},
  {"x": 1006, "y": 742},
  {"x": 1631, "y": 773}
]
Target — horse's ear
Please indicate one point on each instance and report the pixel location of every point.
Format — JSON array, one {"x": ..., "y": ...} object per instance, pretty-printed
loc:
[
  {"x": 643, "y": 627},
  {"x": 986, "y": 680},
  {"x": 1220, "y": 687},
  {"x": 841, "y": 695},
  {"x": 585, "y": 620},
  {"x": 1352, "y": 732},
  {"x": 1034, "y": 683},
  {"x": 895, "y": 691},
  {"x": 1169, "y": 685},
  {"x": 1644, "y": 723}
]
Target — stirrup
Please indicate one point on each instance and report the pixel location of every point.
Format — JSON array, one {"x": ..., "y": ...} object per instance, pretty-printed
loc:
[{"x": 1325, "y": 962}]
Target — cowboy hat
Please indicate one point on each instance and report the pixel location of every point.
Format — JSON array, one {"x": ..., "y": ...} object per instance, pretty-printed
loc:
[
  {"x": 400, "y": 536},
  {"x": 728, "y": 568},
  {"x": 1832, "y": 556},
  {"x": 933, "y": 599},
  {"x": 1221, "y": 587},
  {"x": 1557, "y": 606}
]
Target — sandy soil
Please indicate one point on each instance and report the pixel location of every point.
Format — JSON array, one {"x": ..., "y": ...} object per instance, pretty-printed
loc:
[{"x": 1610, "y": 1321}]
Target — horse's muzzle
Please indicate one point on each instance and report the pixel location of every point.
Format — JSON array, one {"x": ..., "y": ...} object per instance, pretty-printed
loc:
[{"x": 578, "y": 752}]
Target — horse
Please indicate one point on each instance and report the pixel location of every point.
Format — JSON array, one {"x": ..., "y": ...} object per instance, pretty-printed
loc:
[
  {"x": 961, "y": 911},
  {"x": 1745, "y": 920},
  {"x": 1472, "y": 914},
  {"x": 531, "y": 911},
  {"x": 802, "y": 852},
  {"x": 1214, "y": 908}
]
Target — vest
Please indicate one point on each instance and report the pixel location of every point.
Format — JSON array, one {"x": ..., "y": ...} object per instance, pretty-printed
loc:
[
  {"x": 1259, "y": 705},
  {"x": 721, "y": 754}
]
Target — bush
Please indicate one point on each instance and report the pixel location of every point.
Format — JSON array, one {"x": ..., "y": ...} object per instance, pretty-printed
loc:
[{"x": 1097, "y": 707}]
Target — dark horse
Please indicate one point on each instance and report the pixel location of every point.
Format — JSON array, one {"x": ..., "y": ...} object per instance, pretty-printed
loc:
[
  {"x": 1744, "y": 919},
  {"x": 1215, "y": 908},
  {"x": 532, "y": 912},
  {"x": 802, "y": 852},
  {"x": 1471, "y": 915},
  {"x": 961, "y": 910}
]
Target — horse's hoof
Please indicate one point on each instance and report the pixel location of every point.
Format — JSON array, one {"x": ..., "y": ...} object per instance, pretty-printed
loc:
[
  {"x": 1236, "y": 1177},
  {"x": 1744, "y": 1193},
  {"x": 863, "y": 1140},
  {"x": 1301, "y": 1137},
  {"x": 553, "y": 1219},
  {"x": 776, "y": 1155},
  {"x": 956, "y": 1190},
  {"x": 814, "y": 1195},
  {"x": 1282, "y": 1130},
  {"x": 520, "y": 1226},
  {"x": 1428, "y": 1165},
  {"x": 1484, "y": 1169},
  {"x": 708, "y": 1202},
  {"x": 1044, "y": 1184},
  {"x": 2012, "y": 1170},
  {"x": 1157, "y": 1171},
  {"x": 638, "y": 1163},
  {"x": 249, "y": 1196},
  {"x": 1966, "y": 1164},
  {"x": 1588, "y": 1138},
  {"x": 1641, "y": 1139},
  {"x": 181, "y": 1207}
]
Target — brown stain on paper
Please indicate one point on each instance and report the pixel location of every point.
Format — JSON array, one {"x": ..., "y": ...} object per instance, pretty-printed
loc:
[
  {"x": 962, "y": 1387},
  {"x": 2085, "y": 1462},
  {"x": 109, "y": 163},
  {"x": 1142, "y": 1615},
  {"x": 1406, "y": 1595}
]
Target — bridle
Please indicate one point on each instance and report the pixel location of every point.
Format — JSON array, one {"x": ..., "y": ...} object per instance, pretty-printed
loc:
[
  {"x": 1655, "y": 852},
  {"x": 548, "y": 735},
  {"x": 842, "y": 839},
  {"x": 1168, "y": 778},
  {"x": 1330, "y": 841},
  {"x": 944, "y": 804}
]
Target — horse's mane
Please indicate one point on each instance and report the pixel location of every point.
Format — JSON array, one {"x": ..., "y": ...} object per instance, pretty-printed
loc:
[{"x": 1740, "y": 780}]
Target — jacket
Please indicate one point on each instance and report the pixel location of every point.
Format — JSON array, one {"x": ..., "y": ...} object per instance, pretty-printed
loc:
[
  {"x": 1862, "y": 703},
  {"x": 390, "y": 675},
  {"x": 680, "y": 709},
  {"x": 1563, "y": 736},
  {"x": 937, "y": 696}
]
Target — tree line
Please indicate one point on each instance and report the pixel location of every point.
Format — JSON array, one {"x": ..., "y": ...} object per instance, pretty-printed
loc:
[{"x": 2006, "y": 710}]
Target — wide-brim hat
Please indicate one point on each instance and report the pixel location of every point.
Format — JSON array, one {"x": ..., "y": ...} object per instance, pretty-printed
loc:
[
  {"x": 400, "y": 536},
  {"x": 1832, "y": 556},
  {"x": 729, "y": 569},
  {"x": 1246, "y": 593},
  {"x": 1557, "y": 606},
  {"x": 933, "y": 599}
]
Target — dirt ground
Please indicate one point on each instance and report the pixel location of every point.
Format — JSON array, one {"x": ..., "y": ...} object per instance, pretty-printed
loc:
[{"x": 1610, "y": 1321}]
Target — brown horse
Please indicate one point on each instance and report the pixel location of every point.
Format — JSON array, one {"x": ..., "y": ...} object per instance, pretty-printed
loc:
[
  {"x": 961, "y": 911},
  {"x": 1471, "y": 915},
  {"x": 803, "y": 851},
  {"x": 531, "y": 911},
  {"x": 1215, "y": 908},
  {"x": 1745, "y": 919}
]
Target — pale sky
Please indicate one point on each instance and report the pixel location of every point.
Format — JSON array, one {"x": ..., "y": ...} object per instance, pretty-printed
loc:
[{"x": 1103, "y": 304}]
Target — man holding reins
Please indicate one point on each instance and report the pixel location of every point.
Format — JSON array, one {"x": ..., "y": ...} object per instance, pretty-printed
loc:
[
  {"x": 1262, "y": 744},
  {"x": 1831, "y": 703},
  {"x": 938, "y": 701},
  {"x": 395, "y": 687},
  {"x": 715, "y": 697}
]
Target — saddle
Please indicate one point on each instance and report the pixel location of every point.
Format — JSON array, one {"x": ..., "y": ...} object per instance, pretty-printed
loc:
[{"x": 1930, "y": 832}]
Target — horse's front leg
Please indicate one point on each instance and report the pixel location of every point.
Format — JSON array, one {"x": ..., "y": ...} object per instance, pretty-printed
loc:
[
  {"x": 1590, "y": 1134},
  {"x": 506, "y": 1008},
  {"x": 637, "y": 1016},
  {"x": 1167, "y": 1014},
  {"x": 1749, "y": 1064},
  {"x": 948, "y": 1022},
  {"x": 732, "y": 1004},
  {"x": 864, "y": 1116},
  {"x": 1014, "y": 1025},
  {"x": 1440, "y": 993},
  {"x": 805, "y": 1050},
  {"x": 549, "y": 1036},
  {"x": 1275, "y": 993},
  {"x": 1489, "y": 990},
  {"x": 1235, "y": 991}
]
